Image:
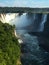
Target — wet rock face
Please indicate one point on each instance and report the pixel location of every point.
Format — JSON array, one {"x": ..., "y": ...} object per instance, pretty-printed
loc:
[
  {"x": 44, "y": 43},
  {"x": 44, "y": 38},
  {"x": 46, "y": 26}
]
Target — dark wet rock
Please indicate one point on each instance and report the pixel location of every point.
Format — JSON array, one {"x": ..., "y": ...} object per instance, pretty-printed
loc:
[
  {"x": 44, "y": 43},
  {"x": 46, "y": 26}
]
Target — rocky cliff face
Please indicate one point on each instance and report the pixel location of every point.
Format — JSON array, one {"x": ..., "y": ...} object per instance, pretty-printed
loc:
[
  {"x": 46, "y": 26},
  {"x": 43, "y": 30},
  {"x": 44, "y": 37}
]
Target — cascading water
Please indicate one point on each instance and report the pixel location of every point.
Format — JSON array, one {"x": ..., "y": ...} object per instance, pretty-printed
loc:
[
  {"x": 22, "y": 22},
  {"x": 44, "y": 19},
  {"x": 6, "y": 18},
  {"x": 32, "y": 53}
]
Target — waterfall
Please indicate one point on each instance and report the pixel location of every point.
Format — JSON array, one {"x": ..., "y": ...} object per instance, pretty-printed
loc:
[
  {"x": 18, "y": 36},
  {"x": 6, "y": 18},
  {"x": 2, "y": 17},
  {"x": 44, "y": 18},
  {"x": 36, "y": 21}
]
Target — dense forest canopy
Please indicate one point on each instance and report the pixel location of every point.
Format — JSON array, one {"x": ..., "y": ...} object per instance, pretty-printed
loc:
[{"x": 9, "y": 46}]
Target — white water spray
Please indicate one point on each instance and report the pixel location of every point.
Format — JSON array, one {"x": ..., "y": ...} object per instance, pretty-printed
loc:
[
  {"x": 6, "y": 18},
  {"x": 44, "y": 18}
]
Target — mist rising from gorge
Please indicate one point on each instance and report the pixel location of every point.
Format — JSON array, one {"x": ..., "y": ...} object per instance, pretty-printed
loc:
[{"x": 26, "y": 21}]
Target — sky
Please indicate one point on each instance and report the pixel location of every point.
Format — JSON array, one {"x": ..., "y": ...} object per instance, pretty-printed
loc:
[{"x": 24, "y": 3}]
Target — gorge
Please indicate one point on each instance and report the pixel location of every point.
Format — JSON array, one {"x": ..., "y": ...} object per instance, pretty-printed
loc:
[{"x": 33, "y": 29}]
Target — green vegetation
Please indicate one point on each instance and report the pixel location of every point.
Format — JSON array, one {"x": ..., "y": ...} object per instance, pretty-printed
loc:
[
  {"x": 23, "y": 10},
  {"x": 9, "y": 46}
]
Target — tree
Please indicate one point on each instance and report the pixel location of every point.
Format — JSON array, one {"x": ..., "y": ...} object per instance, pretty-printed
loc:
[{"x": 9, "y": 46}]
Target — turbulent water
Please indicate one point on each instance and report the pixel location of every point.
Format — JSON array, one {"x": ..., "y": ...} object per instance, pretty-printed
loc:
[{"x": 32, "y": 53}]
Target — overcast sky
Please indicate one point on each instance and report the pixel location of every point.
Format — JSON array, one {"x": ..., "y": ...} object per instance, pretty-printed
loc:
[{"x": 25, "y": 3}]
